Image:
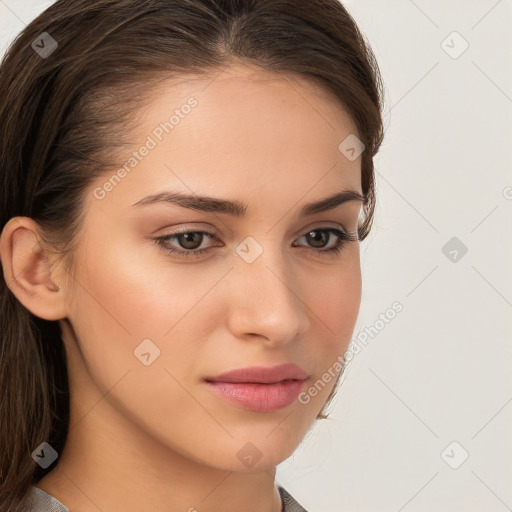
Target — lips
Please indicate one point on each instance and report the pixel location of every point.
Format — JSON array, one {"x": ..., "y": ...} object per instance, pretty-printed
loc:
[
  {"x": 262, "y": 374},
  {"x": 258, "y": 388}
]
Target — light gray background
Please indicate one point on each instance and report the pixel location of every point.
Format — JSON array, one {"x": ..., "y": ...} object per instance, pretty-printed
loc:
[{"x": 440, "y": 371}]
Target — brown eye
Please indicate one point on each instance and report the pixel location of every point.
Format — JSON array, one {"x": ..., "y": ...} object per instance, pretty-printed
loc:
[
  {"x": 191, "y": 240},
  {"x": 318, "y": 238},
  {"x": 188, "y": 242}
]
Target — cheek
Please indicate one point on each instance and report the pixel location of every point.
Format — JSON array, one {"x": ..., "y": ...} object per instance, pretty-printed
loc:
[
  {"x": 339, "y": 300},
  {"x": 334, "y": 306},
  {"x": 335, "y": 300},
  {"x": 128, "y": 296},
  {"x": 122, "y": 301}
]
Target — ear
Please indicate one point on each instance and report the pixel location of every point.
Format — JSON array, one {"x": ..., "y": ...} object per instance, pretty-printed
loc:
[{"x": 27, "y": 270}]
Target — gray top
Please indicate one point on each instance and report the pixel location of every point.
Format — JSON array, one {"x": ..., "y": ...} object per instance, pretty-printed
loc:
[{"x": 40, "y": 501}]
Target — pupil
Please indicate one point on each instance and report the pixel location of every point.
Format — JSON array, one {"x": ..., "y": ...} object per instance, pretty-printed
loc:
[
  {"x": 189, "y": 240},
  {"x": 319, "y": 235}
]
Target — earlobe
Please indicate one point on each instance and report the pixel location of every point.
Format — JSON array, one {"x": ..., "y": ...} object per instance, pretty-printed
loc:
[{"x": 27, "y": 271}]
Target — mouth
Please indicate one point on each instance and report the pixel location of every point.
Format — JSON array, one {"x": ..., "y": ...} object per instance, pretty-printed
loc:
[{"x": 258, "y": 388}]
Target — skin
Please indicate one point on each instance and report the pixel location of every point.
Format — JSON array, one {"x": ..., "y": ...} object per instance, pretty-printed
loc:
[{"x": 154, "y": 437}]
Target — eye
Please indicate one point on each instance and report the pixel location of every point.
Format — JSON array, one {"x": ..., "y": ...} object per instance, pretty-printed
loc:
[
  {"x": 188, "y": 240},
  {"x": 191, "y": 241},
  {"x": 318, "y": 237}
]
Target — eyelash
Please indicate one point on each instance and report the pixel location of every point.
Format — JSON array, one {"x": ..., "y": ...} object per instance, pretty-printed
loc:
[{"x": 343, "y": 237}]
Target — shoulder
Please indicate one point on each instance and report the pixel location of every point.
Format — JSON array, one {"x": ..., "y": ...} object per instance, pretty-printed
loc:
[
  {"x": 39, "y": 501},
  {"x": 289, "y": 503}
]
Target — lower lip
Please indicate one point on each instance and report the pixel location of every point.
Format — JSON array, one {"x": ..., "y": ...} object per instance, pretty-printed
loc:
[{"x": 259, "y": 397}]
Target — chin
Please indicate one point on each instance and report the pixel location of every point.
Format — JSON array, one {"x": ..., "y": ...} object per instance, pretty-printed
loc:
[{"x": 257, "y": 449}]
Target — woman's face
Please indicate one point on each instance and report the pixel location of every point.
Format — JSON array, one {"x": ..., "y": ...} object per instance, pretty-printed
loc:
[{"x": 148, "y": 326}]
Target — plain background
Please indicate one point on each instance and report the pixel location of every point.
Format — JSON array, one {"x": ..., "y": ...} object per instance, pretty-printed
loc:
[{"x": 433, "y": 386}]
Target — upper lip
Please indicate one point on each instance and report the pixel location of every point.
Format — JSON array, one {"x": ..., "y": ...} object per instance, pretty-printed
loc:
[{"x": 262, "y": 374}]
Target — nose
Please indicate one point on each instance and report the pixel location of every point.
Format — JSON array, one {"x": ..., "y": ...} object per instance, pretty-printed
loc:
[{"x": 266, "y": 302}]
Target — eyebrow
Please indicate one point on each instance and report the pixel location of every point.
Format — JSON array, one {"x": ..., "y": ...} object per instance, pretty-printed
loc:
[{"x": 237, "y": 208}]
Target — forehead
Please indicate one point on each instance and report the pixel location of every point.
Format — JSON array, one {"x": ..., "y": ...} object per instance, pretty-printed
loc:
[
  {"x": 251, "y": 134},
  {"x": 243, "y": 88}
]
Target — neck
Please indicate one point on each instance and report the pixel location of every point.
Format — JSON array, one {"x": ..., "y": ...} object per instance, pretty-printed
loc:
[{"x": 93, "y": 474}]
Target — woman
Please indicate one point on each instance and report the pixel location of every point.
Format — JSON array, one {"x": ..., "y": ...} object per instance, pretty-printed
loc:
[{"x": 184, "y": 188}]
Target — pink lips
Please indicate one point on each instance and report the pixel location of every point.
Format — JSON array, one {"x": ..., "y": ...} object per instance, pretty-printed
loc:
[{"x": 260, "y": 388}]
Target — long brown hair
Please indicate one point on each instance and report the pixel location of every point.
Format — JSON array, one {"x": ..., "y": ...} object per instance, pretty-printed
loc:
[{"x": 65, "y": 113}]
